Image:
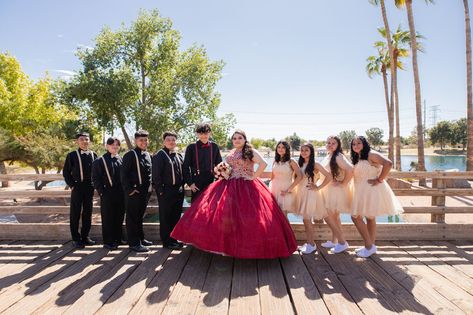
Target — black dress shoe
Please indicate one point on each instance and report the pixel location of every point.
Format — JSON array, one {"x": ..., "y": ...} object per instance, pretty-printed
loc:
[
  {"x": 88, "y": 241},
  {"x": 78, "y": 244},
  {"x": 174, "y": 245},
  {"x": 139, "y": 248},
  {"x": 146, "y": 243},
  {"x": 121, "y": 242},
  {"x": 110, "y": 246}
]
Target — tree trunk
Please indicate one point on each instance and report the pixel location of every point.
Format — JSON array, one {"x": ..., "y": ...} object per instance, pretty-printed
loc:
[
  {"x": 127, "y": 138},
  {"x": 396, "y": 109},
  {"x": 36, "y": 183},
  {"x": 43, "y": 182},
  {"x": 415, "y": 68},
  {"x": 390, "y": 120},
  {"x": 3, "y": 170},
  {"x": 391, "y": 66},
  {"x": 469, "y": 100}
]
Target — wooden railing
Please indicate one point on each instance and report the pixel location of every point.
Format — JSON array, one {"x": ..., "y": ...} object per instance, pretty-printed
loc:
[
  {"x": 438, "y": 192},
  {"x": 437, "y": 229}
]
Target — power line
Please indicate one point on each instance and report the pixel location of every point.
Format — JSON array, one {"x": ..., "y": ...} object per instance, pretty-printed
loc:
[{"x": 307, "y": 113}]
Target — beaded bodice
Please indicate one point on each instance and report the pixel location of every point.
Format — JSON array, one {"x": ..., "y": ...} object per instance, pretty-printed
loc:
[{"x": 241, "y": 168}]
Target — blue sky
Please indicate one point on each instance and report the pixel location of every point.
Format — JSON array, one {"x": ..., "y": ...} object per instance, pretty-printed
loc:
[{"x": 291, "y": 66}]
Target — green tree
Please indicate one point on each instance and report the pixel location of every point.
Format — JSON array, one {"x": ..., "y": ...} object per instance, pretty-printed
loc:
[
  {"x": 412, "y": 139},
  {"x": 257, "y": 142},
  {"x": 388, "y": 55},
  {"x": 137, "y": 76},
  {"x": 26, "y": 106},
  {"x": 400, "y": 41},
  {"x": 29, "y": 112},
  {"x": 318, "y": 143},
  {"x": 221, "y": 128},
  {"x": 346, "y": 137},
  {"x": 441, "y": 133},
  {"x": 459, "y": 133},
  {"x": 379, "y": 64},
  {"x": 375, "y": 136},
  {"x": 294, "y": 142},
  {"x": 270, "y": 143},
  {"x": 415, "y": 67}
]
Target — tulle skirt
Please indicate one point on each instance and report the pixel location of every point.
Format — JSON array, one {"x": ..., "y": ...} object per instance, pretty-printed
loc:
[
  {"x": 338, "y": 198},
  {"x": 309, "y": 203},
  {"x": 286, "y": 202},
  {"x": 371, "y": 201},
  {"x": 238, "y": 218}
]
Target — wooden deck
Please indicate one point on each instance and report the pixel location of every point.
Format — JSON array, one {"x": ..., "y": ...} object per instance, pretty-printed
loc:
[{"x": 47, "y": 277}]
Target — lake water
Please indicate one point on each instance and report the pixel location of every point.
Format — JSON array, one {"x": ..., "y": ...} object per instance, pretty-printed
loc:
[
  {"x": 436, "y": 162},
  {"x": 432, "y": 162}
]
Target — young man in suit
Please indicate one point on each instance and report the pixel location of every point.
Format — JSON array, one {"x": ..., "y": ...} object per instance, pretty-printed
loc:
[
  {"x": 168, "y": 181},
  {"x": 77, "y": 173},
  {"x": 136, "y": 181},
  {"x": 106, "y": 180},
  {"x": 199, "y": 161}
]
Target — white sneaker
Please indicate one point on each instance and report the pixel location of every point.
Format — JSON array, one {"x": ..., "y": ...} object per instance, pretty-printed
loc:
[
  {"x": 309, "y": 249},
  {"x": 365, "y": 253},
  {"x": 328, "y": 244},
  {"x": 339, "y": 248},
  {"x": 358, "y": 249},
  {"x": 302, "y": 247}
]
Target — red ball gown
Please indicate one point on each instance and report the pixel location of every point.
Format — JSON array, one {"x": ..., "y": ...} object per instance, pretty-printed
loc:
[{"x": 237, "y": 217}]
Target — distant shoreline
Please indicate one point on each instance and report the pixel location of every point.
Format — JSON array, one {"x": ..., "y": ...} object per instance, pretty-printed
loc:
[
  {"x": 435, "y": 152},
  {"x": 384, "y": 151}
]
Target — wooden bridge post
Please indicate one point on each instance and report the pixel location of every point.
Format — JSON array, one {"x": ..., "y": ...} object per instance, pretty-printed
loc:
[{"x": 438, "y": 201}]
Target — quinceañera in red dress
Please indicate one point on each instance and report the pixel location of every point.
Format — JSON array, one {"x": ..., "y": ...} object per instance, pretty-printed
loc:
[{"x": 237, "y": 217}]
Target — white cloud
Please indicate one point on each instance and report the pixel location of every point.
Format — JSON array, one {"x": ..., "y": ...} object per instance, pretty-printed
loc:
[
  {"x": 60, "y": 35},
  {"x": 65, "y": 74}
]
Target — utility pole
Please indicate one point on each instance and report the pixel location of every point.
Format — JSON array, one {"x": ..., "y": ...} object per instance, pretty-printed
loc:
[
  {"x": 425, "y": 118},
  {"x": 434, "y": 110}
]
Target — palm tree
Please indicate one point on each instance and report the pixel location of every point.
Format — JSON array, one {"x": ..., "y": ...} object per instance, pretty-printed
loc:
[
  {"x": 378, "y": 65},
  {"x": 400, "y": 44},
  {"x": 390, "y": 49},
  {"x": 415, "y": 68},
  {"x": 469, "y": 113}
]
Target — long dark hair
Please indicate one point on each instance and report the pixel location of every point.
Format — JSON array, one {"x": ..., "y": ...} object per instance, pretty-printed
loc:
[
  {"x": 334, "y": 169},
  {"x": 287, "y": 155},
  {"x": 310, "y": 169},
  {"x": 355, "y": 157},
  {"x": 247, "y": 151}
]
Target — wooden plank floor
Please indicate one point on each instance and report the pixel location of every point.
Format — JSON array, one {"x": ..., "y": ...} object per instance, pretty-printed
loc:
[{"x": 404, "y": 277}]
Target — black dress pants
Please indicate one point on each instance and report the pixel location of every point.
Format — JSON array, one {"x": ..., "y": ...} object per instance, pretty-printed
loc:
[
  {"x": 135, "y": 209},
  {"x": 112, "y": 210},
  {"x": 170, "y": 209},
  {"x": 81, "y": 206}
]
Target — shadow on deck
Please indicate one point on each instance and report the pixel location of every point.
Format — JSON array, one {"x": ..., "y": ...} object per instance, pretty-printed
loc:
[{"x": 404, "y": 277}]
